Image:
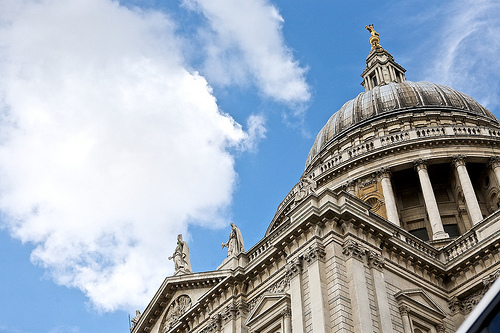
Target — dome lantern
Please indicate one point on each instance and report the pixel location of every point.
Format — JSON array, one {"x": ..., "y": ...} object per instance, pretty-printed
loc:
[{"x": 381, "y": 68}]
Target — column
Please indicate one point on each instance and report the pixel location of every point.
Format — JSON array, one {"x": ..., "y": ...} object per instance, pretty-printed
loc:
[
  {"x": 403, "y": 310},
  {"x": 389, "y": 199},
  {"x": 287, "y": 321},
  {"x": 315, "y": 257},
  {"x": 294, "y": 272},
  {"x": 495, "y": 166},
  {"x": 430, "y": 201},
  {"x": 473, "y": 208}
]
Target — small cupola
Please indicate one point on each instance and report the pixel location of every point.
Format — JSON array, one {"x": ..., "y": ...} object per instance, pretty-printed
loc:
[{"x": 380, "y": 68}]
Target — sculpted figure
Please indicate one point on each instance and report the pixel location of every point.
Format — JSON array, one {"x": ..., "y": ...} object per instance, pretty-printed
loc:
[
  {"x": 374, "y": 39},
  {"x": 135, "y": 320},
  {"x": 181, "y": 258},
  {"x": 235, "y": 243}
]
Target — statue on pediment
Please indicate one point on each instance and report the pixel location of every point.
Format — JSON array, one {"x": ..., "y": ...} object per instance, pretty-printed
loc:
[
  {"x": 181, "y": 257},
  {"x": 235, "y": 244}
]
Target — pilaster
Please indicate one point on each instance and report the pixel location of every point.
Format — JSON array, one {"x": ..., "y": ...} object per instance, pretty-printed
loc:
[
  {"x": 294, "y": 274},
  {"x": 315, "y": 259}
]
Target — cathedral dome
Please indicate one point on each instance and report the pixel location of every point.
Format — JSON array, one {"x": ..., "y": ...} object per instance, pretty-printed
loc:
[{"x": 392, "y": 99}]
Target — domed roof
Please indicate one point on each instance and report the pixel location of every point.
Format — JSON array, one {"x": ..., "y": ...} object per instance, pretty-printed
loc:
[{"x": 394, "y": 97}]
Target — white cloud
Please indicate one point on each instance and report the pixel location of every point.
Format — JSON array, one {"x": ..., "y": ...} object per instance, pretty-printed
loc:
[
  {"x": 108, "y": 145},
  {"x": 246, "y": 40},
  {"x": 468, "y": 49}
]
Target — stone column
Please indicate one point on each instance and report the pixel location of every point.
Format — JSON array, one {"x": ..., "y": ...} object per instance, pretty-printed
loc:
[
  {"x": 315, "y": 258},
  {"x": 389, "y": 199},
  {"x": 361, "y": 313},
  {"x": 430, "y": 201},
  {"x": 294, "y": 272},
  {"x": 495, "y": 166},
  {"x": 287, "y": 321},
  {"x": 470, "y": 196},
  {"x": 403, "y": 310}
]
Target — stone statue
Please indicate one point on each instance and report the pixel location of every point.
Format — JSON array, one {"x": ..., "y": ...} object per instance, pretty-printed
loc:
[
  {"x": 181, "y": 258},
  {"x": 235, "y": 243},
  {"x": 374, "y": 39},
  {"x": 135, "y": 320}
]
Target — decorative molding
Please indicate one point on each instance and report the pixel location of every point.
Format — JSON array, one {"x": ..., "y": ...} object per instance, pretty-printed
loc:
[
  {"x": 440, "y": 328},
  {"x": 293, "y": 268},
  {"x": 176, "y": 309},
  {"x": 494, "y": 162},
  {"x": 384, "y": 173},
  {"x": 305, "y": 187},
  {"x": 466, "y": 305},
  {"x": 315, "y": 252},
  {"x": 420, "y": 164},
  {"x": 404, "y": 310},
  {"x": 375, "y": 260},
  {"x": 352, "y": 249},
  {"x": 458, "y": 160}
]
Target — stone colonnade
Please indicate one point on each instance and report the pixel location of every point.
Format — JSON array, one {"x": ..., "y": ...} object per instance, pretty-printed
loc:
[{"x": 431, "y": 206}]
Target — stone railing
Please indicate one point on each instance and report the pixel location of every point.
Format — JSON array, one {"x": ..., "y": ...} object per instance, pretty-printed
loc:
[
  {"x": 460, "y": 245},
  {"x": 419, "y": 245}
]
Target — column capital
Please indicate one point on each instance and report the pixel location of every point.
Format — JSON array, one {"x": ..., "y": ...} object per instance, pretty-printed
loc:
[
  {"x": 354, "y": 250},
  {"x": 294, "y": 268},
  {"x": 459, "y": 160},
  {"x": 315, "y": 252},
  {"x": 404, "y": 310},
  {"x": 420, "y": 164},
  {"x": 384, "y": 173},
  {"x": 375, "y": 260},
  {"x": 494, "y": 162}
]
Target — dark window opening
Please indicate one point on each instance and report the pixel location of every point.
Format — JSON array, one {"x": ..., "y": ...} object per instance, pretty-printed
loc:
[{"x": 420, "y": 233}]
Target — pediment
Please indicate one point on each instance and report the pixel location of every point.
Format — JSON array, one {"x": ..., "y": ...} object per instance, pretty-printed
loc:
[
  {"x": 195, "y": 286},
  {"x": 420, "y": 302},
  {"x": 267, "y": 308}
]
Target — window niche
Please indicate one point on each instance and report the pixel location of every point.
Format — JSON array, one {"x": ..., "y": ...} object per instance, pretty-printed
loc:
[{"x": 419, "y": 312}]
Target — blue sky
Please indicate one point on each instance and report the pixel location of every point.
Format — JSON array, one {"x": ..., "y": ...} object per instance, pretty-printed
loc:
[{"x": 123, "y": 123}]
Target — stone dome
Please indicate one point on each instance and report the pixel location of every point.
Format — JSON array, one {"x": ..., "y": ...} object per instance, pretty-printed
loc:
[{"x": 391, "y": 99}]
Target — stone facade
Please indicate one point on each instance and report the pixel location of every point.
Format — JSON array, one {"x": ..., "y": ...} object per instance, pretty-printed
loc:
[{"x": 393, "y": 227}]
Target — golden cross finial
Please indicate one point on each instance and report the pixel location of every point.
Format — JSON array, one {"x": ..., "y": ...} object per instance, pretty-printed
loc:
[{"x": 374, "y": 39}]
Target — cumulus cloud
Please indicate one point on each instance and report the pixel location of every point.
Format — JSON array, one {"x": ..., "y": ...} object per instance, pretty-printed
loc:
[
  {"x": 245, "y": 40},
  {"x": 109, "y": 147},
  {"x": 468, "y": 49}
]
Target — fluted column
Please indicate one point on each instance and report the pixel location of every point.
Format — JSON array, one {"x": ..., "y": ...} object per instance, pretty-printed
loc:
[
  {"x": 470, "y": 196},
  {"x": 430, "y": 201},
  {"x": 389, "y": 199}
]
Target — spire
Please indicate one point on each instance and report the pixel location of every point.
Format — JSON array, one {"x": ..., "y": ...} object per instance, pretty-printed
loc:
[{"x": 380, "y": 68}]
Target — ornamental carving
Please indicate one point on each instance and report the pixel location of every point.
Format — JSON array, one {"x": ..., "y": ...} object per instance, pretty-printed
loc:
[
  {"x": 176, "y": 309},
  {"x": 293, "y": 268},
  {"x": 375, "y": 260},
  {"x": 305, "y": 187},
  {"x": 315, "y": 252},
  {"x": 276, "y": 288},
  {"x": 353, "y": 250},
  {"x": 420, "y": 164},
  {"x": 494, "y": 162},
  {"x": 467, "y": 304},
  {"x": 458, "y": 160}
]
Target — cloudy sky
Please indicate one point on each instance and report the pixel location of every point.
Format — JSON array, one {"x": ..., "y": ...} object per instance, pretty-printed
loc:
[{"x": 124, "y": 123}]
